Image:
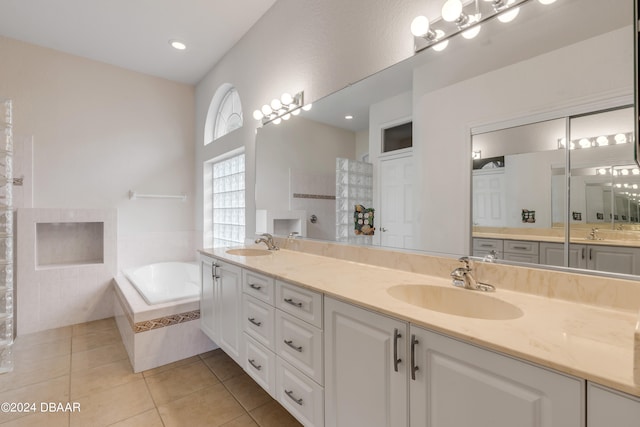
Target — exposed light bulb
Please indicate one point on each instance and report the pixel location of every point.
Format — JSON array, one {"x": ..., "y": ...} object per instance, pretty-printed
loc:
[
  {"x": 545, "y": 2},
  {"x": 510, "y": 15},
  {"x": 348, "y": 117},
  {"x": 602, "y": 140},
  {"x": 624, "y": 171},
  {"x": 277, "y": 121},
  {"x": 420, "y": 26},
  {"x": 286, "y": 116},
  {"x": 258, "y": 115},
  {"x": 276, "y": 104},
  {"x": 439, "y": 47},
  {"x": 296, "y": 112},
  {"x": 266, "y": 110},
  {"x": 562, "y": 142},
  {"x": 585, "y": 143},
  {"x": 472, "y": 32},
  {"x": 635, "y": 171},
  {"x": 307, "y": 107},
  {"x": 451, "y": 10},
  {"x": 286, "y": 98},
  {"x": 602, "y": 171},
  {"x": 621, "y": 138}
]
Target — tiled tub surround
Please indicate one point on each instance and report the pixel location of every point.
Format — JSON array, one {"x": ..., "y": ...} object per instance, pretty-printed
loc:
[
  {"x": 155, "y": 335},
  {"x": 578, "y": 324},
  {"x": 70, "y": 290}
]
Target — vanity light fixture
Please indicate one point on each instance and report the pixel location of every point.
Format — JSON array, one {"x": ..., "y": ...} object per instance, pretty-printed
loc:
[
  {"x": 436, "y": 33},
  {"x": 475, "y": 155},
  {"x": 281, "y": 108},
  {"x": 348, "y": 117},
  {"x": 600, "y": 141}
]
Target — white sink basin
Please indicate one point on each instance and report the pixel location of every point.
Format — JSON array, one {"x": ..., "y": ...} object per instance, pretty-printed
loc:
[
  {"x": 248, "y": 252},
  {"x": 459, "y": 302}
]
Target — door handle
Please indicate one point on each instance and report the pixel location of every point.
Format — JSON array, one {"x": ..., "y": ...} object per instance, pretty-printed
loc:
[
  {"x": 214, "y": 271},
  {"x": 292, "y": 302},
  {"x": 293, "y": 346},
  {"x": 396, "y": 361},
  {"x": 414, "y": 367}
]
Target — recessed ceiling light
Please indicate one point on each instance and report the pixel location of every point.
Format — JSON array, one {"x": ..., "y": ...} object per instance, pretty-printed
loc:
[
  {"x": 349, "y": 117},
  {"x": 177, "y": 45}
]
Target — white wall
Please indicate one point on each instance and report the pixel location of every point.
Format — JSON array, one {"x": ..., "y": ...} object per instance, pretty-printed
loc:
[
  {"x": 100, "y": 131},
  {"x": 315, "y": 46},
  {"x": 443, "y": 120}
]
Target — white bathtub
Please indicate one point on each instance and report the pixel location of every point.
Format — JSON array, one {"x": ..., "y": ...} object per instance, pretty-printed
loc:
[
  {"x": 157, "y": 333},
  {"x": 166, "y": 281}
]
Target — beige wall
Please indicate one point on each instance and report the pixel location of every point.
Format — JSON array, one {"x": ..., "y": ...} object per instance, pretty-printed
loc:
[{"x": 100, "y": 131}]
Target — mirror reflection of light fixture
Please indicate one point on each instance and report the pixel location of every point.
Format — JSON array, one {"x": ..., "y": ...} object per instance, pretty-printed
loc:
[
  {"x": 475, "y": 155},
  {"x": 600, "y": 141},
  {"x": 281, "y": 108}
]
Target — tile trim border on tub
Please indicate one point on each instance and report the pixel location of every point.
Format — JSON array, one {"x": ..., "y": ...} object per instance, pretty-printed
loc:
[{"x": 164, "y": 321}]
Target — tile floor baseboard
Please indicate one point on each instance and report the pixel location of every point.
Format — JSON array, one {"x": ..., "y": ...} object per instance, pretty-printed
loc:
[{"x": 87, "y": 365}]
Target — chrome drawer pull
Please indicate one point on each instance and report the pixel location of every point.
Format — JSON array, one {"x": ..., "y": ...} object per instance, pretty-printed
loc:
[
  {"x": 292, "y": 302},
  {"x": 254, "y": 286},
  {"x": 290, "y": 394},
  {"x": 254, "y": 321},
  {"x": 253, "y": 363},
  {"x": 293, "y": 346}
]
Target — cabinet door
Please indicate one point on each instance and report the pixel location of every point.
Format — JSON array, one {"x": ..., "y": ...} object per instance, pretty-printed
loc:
[
  {"x": 207, "y": 301},
  {"x": 229, "y": 303},
  {"x": 614, "y": 259},
  {"x": 607, "y": 408},
  {"x": 553, "y": 254},
  {"x": 363, "y": 385},
  {"x": 458, "y": 384}
]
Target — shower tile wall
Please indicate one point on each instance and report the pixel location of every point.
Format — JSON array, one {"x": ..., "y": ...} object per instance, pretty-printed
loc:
[
  {"x": 315, "y": 194},
  {"x": 58, "y": 295}
]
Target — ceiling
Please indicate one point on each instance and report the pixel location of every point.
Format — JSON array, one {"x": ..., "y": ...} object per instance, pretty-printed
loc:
[{"x": 135, "y": 34}]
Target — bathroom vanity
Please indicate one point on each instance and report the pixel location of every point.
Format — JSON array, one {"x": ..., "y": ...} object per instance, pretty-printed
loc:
[{"x": 344, "y": 343}]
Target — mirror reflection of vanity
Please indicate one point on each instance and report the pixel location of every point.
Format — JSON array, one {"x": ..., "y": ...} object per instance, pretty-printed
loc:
[{"x": 513, "y": 92}]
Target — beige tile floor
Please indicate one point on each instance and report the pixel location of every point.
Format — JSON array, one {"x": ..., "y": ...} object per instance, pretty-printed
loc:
[{"x": 87, "y": 364}]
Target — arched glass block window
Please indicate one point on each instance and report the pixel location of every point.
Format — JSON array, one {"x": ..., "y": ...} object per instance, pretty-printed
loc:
[{"x": 225, "y": 113}]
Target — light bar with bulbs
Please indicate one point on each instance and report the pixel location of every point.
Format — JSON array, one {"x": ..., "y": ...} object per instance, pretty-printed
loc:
[
  {"x": 281, "y": 108},
  {"x": 455, "y": 20},
  {"x": 599, "y": 141}
]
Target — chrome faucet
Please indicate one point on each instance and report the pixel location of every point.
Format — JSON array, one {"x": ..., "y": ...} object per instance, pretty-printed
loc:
[
  {"x": 267, "y": 239},
  {"x": 463, "y": 278},
  {"x": 593, "y": 235}
]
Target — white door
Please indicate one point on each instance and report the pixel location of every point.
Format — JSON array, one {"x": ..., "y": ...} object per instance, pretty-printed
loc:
[
  {"x": 365, "y": 364},
  {"x": 489, "y": 198},
  {"x": 396, "y": 202}
]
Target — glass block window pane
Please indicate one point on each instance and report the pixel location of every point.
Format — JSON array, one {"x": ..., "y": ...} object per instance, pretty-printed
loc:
[
  {"x": 228, "y": 201},
  {"x": 229, "y": 117}
]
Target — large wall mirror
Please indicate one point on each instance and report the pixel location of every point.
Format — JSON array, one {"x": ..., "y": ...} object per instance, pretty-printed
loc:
[{"x": 564, "y": 70}]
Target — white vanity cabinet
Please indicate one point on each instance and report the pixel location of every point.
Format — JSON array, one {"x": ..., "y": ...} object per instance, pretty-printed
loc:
[
  {"x": 457, "y": 384},
  {"x": 608, "y": 408},
  {"x": 284, "y": 341},
  {"x": 366, "y": 367},
  {"x": 616, "y": 259},
  {"x": 221, "y": 305}
]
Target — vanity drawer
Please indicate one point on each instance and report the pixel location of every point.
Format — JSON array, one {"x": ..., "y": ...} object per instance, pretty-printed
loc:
[
  {"x": 300, "y": 344},
  {"x": 302, "y": 303},
  {"x": 301, "y": 396},
  {"x": 487, "y": 245},
  {"x": 260, "y": 364},
  {"x": 521, "y": 247},
  {"x": 259, "y": 286},
  {"x": 259, "y": 320}
]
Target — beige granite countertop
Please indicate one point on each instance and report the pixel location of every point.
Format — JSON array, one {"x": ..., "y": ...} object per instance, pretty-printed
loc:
[{"x": 592, "y": 340}]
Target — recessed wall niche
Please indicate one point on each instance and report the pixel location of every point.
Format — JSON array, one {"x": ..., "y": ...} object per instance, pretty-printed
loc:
[{"x": 69, "y": 243}]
